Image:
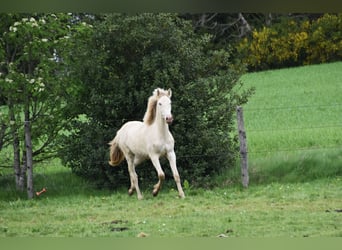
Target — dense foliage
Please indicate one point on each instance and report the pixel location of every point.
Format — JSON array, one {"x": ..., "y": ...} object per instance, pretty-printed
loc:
[
  {"x": 294, "y": 43},
  {"x": 34, "y": 86},
  {"x": 130, "y": 56}
]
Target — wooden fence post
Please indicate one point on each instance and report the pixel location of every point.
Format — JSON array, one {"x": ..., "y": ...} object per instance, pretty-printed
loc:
[{"x": 243, "y": 147}]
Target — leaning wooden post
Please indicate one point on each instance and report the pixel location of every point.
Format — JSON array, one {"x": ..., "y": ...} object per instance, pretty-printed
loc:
[{"x": 243, "y": 147}]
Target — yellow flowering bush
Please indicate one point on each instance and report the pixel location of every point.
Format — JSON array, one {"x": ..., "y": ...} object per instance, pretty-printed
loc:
[{"x": 292, "y": 43}]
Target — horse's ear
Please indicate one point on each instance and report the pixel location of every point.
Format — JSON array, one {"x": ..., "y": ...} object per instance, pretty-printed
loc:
[
  {"x": 158, "y": 92},
  {"x": 169, "y": 92}
]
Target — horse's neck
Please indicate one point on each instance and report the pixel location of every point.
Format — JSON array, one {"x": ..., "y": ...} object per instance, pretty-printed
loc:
[{"x": 161, "y": 127}]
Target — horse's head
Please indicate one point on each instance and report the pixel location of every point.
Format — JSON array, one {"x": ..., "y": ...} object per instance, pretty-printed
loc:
[
  {"x": 164, "y": 107},
  {"x": 159, "y": 102}
]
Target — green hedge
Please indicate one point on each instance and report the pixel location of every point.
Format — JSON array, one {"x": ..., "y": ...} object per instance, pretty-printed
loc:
[
  {"x": 294, "y": 43},
  {"x": 128, "y": 57}
]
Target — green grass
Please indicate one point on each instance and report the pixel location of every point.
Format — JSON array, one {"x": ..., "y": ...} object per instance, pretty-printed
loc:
[
  {"x": 294, "y": 123},
  {"x": 294, "y": 133},
  {"x": 292, "y": 210}
]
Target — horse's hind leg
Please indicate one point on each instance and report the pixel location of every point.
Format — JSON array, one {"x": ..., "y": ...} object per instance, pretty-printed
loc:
[
  {"x": 161, "y": 175},
  {"x": 134, "y": 179},
  {"x": 132, "y": 188}
]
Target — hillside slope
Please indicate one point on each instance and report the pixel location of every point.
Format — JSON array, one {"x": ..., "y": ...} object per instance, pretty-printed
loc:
[{"x": 294, "y": 123}]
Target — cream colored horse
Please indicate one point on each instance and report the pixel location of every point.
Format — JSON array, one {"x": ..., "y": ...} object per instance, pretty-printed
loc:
[{"x": 137, "y": 141}]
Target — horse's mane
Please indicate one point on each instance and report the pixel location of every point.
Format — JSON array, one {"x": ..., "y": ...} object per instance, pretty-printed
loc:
[{"x": 150, "y": 113}]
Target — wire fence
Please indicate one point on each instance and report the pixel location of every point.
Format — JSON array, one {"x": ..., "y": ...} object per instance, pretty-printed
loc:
[
  {"x": 301, "y": 117},
  {"x": 298, "y": 107},
  {"x": 250, "y": 130}
]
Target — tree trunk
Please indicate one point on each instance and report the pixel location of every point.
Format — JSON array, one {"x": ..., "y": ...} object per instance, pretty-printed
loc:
[
  {"x": 23, "y": 172},
  {"x": 243, "y": 147},
  {"x": 16, "y": 146},
  {"x": 27, "y": 129},
  {"x": 29, "y": 159},
  {"x": 3, "y": 128},
  {"x": 16, "y": 158}
]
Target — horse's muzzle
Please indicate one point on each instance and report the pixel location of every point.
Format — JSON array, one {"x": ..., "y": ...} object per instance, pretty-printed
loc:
[{"x": 169, "y": 119}]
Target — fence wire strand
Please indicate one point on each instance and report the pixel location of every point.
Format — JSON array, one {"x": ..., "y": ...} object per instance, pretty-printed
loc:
[{"x": 294, "y": 107}]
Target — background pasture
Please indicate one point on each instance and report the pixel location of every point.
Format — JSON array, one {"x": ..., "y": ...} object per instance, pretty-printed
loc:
[
  {"x": 294, "y": 131},
  {"x": 294, "y": 123}
]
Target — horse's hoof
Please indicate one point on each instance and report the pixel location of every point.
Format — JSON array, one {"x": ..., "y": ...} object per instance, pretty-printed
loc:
[
  {"x": 130, "y": 192},
  {"x": 155, "y": 192}
]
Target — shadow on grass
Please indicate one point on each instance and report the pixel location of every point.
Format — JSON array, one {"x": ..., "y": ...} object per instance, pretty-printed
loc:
[
  {"x": 66, "y": 184},
  {"x": 57, "y": 184}
]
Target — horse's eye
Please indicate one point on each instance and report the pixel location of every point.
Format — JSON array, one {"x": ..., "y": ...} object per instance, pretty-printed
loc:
[{"x": 159, "y": 103}]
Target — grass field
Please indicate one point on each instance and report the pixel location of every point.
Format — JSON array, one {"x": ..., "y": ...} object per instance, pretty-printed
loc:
[
  {"x": 294, "y": 132},
  {"x": 293, "y": 210},
  {"x": 294, "y": 123}
]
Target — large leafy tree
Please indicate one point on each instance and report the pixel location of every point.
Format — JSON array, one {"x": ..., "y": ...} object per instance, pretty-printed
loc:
[
  {"x": 35, "y": 85},
  {"x": 131, "y": 55}
]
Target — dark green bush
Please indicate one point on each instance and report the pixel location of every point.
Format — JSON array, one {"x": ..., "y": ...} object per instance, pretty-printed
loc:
[{"x": 128, "y": 58}]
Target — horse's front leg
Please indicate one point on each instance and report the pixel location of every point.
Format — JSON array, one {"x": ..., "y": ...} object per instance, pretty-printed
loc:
[
  {"x": 171, "y": 156},
  {"x": 161, "y": 175}
]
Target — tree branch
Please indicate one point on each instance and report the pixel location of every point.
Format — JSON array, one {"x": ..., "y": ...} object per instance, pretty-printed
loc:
[{"x": 245, "y": 28}]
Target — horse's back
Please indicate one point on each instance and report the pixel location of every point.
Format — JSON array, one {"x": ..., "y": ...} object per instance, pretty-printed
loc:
[
  {"x": 131, "y": 126},
  {"x": 131, "y": 137},
  {"x": 130, "y": 130}
]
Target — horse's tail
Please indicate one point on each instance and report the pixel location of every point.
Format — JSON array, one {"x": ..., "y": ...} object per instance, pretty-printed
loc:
[{"x": 116, "y": 154}]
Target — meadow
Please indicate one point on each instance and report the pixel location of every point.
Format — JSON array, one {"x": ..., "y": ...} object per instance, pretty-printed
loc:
[
  {"x": 294, "y": 133},
  {"x": 294, "y": 123}
]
